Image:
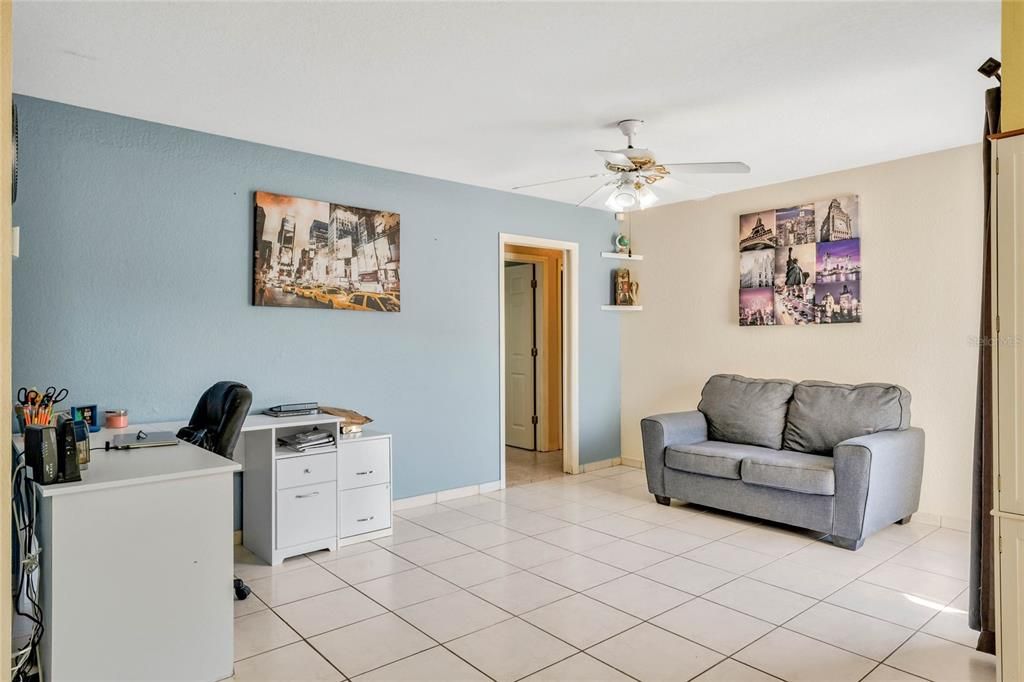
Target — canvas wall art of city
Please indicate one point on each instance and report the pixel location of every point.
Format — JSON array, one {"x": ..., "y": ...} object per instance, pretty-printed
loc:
[
  {"x": 315, "y": 254},
  {"x": 801, "y": 265}
]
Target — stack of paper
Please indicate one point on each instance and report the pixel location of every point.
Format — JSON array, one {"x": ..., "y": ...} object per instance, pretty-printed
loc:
[{"x": 308, "y": 441}]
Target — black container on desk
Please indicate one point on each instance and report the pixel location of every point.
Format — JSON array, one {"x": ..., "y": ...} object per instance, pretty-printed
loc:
[
  {"x": 41, "y": 453},
  {"x": 67, "y": 451}
]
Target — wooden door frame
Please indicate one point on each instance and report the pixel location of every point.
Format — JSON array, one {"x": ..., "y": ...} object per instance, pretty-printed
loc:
[
  {"x": 549, "y": 407},
  {"x": 570, "y": 346},
  {"x": 6, "y": 58}
]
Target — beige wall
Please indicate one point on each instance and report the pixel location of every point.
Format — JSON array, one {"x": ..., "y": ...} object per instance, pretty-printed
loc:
[
  {"x": 1013, "y": 65},
  {"x": 921, "y": 252}
]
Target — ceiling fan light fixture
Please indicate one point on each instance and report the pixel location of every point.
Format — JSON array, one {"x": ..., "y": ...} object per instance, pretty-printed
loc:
[
  {"x": 623, "y": 199},
  {"x": 630, "y": 173},
  {"x": 646, "y": 197},
  {"x": 630, "y": 195}
]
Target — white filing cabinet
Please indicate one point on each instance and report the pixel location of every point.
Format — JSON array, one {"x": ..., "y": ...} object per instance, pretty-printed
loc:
[{"x": 293, "y": 503}]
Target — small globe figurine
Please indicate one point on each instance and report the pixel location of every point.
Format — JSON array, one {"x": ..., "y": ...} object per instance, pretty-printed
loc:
[{"x": 621, "y": 243}]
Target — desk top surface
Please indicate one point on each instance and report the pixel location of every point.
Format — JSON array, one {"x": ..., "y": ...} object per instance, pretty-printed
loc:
[
  {"x": 115, "y": 468},
  {"x": 137, "y": 466},
  {"x": 118, "y": 468}
]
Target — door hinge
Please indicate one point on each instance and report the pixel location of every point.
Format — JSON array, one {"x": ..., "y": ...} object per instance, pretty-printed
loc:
[
  {"x": 998, "y": 324},
  {"x": 533, "y": 284},
  {"x": 997, "y": 165},
  {"x": 1000, "y": 544},
  {"x": 533, "y": 352},
  {"x": 999, "y": 483},
  {"x": 534, "y": 420}
]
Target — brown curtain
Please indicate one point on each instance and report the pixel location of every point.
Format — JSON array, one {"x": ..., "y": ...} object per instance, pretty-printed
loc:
[{"x": 982, "y": 612}]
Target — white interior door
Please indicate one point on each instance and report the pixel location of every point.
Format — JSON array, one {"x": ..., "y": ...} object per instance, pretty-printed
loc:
[{"x": 520, "y": 362}]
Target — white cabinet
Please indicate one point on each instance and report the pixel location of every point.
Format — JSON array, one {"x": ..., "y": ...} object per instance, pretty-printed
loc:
[
  {"x": 365, "y": 510},
  {"x": 293, "y": 503},
  {"x": 366, "y": 463},
  {"x": 1011, "y": 601},
  {"x": 306, "y": 470},
  {"x": 1008, "y": 257},
  {"x": 306, "y": 514}
]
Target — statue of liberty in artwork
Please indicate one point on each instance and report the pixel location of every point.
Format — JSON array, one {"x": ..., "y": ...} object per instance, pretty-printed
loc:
[{"x": 794, "y": 275}]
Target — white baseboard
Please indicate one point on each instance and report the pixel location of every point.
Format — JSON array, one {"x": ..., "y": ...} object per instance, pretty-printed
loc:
[
  {"x": 238, "y": 537},
  {"x": 456, "y": 493},
  {"x": 490, "y": 487},
  {"x": 945, "y": 521},
  {"x": 636, "y": 463},
  {"x": 601, "y": 464},
  {"x": 444, "y": 495}
]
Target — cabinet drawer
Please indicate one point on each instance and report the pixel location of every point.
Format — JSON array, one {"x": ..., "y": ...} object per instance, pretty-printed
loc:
[
  {"x": 306, "y": 470},
  {"x": 365, "y": 509},
  {"x": 306, "y": 514},
  {"x": 365, "y": 463}
]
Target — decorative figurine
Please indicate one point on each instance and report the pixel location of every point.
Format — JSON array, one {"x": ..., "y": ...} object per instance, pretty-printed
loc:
[
  {"x": 624, "y": 290},
  {"x": 621, "y": 243}
]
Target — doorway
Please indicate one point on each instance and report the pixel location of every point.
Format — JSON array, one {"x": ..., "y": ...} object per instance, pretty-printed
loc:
[{"x": 537, "y": 352}]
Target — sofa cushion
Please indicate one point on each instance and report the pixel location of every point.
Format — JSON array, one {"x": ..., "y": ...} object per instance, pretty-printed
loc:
[
  {"x": 796, "y": 471},
  {"x": 742, "y": 410},
  {"x": 823, "y": 414},
  {"x": 711, "y": 458}
]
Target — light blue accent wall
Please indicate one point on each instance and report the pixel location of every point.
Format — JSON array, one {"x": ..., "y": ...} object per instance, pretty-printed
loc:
[{"x": 133, "y": 288}]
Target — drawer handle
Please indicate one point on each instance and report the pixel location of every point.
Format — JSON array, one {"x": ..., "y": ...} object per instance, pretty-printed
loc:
[
  {"x": 368, "y": 518},
  {"x": 363, "y": 473},
  {"x": 306, "y": 471},
  {"x": 312, "y": 494}
]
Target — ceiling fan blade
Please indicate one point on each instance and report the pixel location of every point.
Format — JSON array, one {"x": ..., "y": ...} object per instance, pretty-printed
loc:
[
  {"x": 685, "y": 186},
  {"x": 606, "y": 186},
  {"x": 616, "y": 158},
  {"x": 552, "y": 182},
  {"x": 717, "y": 167}
]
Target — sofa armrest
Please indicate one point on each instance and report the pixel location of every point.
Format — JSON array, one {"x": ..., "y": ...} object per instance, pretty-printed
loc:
[
  {"x": 878, "y": 481},
  {"x": 665, "y": 430}
]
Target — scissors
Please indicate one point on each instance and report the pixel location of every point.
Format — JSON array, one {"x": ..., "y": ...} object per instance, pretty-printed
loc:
[
  {"x": 53, "y": 396},
  {"x": 28, "y": 396}
]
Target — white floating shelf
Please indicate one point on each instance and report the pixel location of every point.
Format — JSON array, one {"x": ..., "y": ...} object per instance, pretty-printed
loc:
[
  {"x": 623, "y": 308},
  {"x": 620, "y": 256}
]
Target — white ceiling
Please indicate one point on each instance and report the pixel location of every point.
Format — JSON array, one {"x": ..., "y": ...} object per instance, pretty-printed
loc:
[{"x": 503, "y": 94}]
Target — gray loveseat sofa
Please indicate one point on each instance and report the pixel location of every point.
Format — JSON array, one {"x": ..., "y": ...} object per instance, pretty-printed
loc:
[{"x": 834, "y": 458}]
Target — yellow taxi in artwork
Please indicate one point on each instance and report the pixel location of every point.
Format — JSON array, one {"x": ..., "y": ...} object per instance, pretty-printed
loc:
[
  {"x": 366, "y": 300},
  {"x": 332, "y": 296}
]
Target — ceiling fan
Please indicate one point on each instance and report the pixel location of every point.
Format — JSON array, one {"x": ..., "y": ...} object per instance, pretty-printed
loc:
[{"x": 631, "y": 174}]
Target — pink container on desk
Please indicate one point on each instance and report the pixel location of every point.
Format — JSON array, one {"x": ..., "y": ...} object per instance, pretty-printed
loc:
[{"x": 116, "y": 419}]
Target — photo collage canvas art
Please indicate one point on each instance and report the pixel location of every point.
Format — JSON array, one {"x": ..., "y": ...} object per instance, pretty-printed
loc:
[
  {"x": 801, "y": 265},
  {"x": 319, "y": 254}
]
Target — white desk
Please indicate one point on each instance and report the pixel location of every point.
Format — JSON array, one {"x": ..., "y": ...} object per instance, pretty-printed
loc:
[
  {"x": 137, "y": 564},
  {"x": 295, "y": 503}
]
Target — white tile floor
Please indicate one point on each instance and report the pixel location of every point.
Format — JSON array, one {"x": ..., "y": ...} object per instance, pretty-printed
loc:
[{"x": 586, "y": 578}]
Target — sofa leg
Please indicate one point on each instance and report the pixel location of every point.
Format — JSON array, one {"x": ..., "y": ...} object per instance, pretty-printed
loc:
[
  {"x": 905, "y": 520},
  {"x": 663, "y": 499},
  {"x": 847, "y": 543}
]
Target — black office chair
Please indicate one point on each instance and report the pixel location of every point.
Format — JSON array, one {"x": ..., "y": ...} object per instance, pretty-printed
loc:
[{"x": 215, "y": 426}]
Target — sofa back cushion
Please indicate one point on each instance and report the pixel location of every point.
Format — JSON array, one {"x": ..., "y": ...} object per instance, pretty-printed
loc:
[
  {"x": 742, "y": 410},
  {"x": 823, "y": 414}
]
